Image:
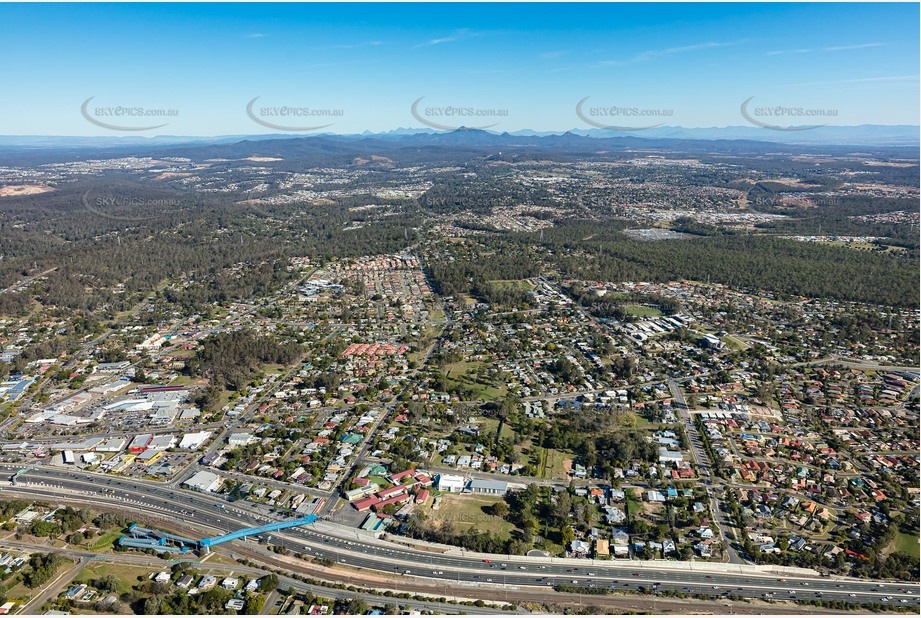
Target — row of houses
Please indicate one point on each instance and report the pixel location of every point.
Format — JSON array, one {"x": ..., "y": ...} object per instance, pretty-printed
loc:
[{"x": 411, "y": 487}]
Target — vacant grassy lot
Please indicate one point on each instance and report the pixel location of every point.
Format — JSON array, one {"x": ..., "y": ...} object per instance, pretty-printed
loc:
[
  {"x": 184, "y": 381},
  {"x": 907, "y": 543},
  {"x": 733, "y": 343},
  {"x": 436, "y": 314},
  {"x": 106, "y": 540},
  {"x": 464, "y": 374},
  {"x": 466, "y": 511},
  {"x": 642, "y": 311},
  {"x": 513, "y": 284},
  {"x": 127, "y": 575},
  {"x": 553, "y": 464},
  {"x": 488, "y": 431}
]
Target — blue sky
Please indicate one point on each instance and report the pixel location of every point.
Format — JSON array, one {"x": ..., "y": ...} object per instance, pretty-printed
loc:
[{"x": 371, "y": 62}]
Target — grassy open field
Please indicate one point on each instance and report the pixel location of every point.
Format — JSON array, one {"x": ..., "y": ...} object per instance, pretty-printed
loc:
[
  {"x": 436, "y": 314},
  {"x": 553, "y": 466},
  {"x": 127, "y": 575},
  {"x": 463, "y": 373},
  {"x": 275, "y": 368},
  {"x": 907, "y": 543},
  {"x": 105, "y": 540},
  {"x": 642, "y": 311},
  {"x": 223, "y": 400},
  {"x": 733, "y": 343},
  {"x": 488, "y": 429},
  {"x": 513, "y": 284},
  {"x": 182, "y": 380},
  {"x": 180, "y": 353},
  {"x": 466, "y": 511}
]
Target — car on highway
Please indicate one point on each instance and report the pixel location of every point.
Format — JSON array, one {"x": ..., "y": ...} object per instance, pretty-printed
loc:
[{"x": 636, "y": 575}]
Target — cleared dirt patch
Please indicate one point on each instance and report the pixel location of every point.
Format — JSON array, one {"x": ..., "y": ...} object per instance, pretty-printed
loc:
[{"x": 18, "y": 190}]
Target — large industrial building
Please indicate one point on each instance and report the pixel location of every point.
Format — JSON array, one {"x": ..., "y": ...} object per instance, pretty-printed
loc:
[{"x": 204, "y": 481}]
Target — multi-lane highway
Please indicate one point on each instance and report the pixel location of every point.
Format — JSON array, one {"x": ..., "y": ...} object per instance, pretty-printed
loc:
[
  {"x": 212, "y": 567},
  {"x": 457, "y": 569}
]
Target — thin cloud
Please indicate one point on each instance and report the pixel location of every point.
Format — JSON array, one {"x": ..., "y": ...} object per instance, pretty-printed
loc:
[
  {"x": 550, "y": 55},
  {"x": 356, "y": 45},
  {"x": 849, "y": 47},
  {"x": 781, "y": 52},
  {"x": 835, "y": 48},
  {"x": 670, "y": 51},
  {"x": 861, "y": 80},
  {"x": 458, "y": 35},
  {"x": 256, "y": 35}
]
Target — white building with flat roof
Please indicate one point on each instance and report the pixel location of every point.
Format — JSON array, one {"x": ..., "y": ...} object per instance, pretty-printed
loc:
[
  {"x": 204, "y": 481},
  {"x": 451, "y": 482},
  {"x": 162, "y": 442},
  {"x": 111, "y": 445},
  {"x": 194, "y": 440},
  {"x": 239, "y": 439},
  {"x": 667, "y": 456}
]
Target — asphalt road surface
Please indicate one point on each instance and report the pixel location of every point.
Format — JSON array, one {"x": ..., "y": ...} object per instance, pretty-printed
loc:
[{"x": 458, "y": 571}]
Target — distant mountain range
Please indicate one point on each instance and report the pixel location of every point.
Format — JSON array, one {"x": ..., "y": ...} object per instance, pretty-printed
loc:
[
  {"x": 287, "y": 152},
  {"x": 862, "y": 135}
]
